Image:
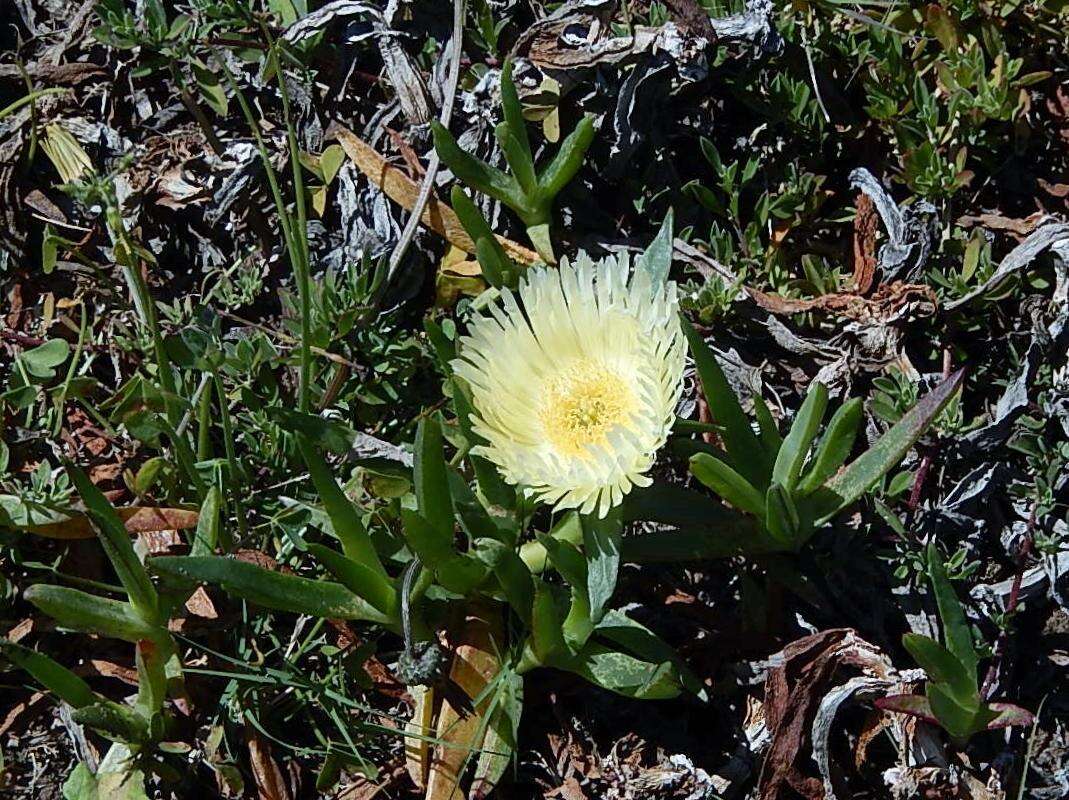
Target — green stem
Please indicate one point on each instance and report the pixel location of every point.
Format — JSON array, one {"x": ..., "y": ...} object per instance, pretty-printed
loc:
[{"x": 237, "y": 479}]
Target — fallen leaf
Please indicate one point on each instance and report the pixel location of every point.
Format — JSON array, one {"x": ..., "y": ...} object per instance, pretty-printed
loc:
[
  {"x": 475, "y": 664},
  {"x": 136, "y": 519},
  {"x": 437, "y": 216},
  {"x": 270, "y": 784}
]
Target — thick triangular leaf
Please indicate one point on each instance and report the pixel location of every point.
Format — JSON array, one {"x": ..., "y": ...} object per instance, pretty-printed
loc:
[
  {"x": 956, "y": 631},
  {"x": 800, "y": 438},
  {"x": 49, "y": 673},
  {"x": 727, "y": 483},
  {"x": 741, "y": 443},
  {"x": 116, "y": 543},
  {"x": 271, "y": 589},
  {"x": 431, "y": 477},
  {"x": 835, "y": 446},
  {"x": 863, "y": 473},
  {"x": 942, "y": 666},
  {"x": 81, "y": 611},
  {"x": 601, "y": 541},
  {"x": 344, "y": 517}
]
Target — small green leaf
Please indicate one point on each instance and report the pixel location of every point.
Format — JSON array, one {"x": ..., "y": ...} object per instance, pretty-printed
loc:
[
  {"x": 727, "y": 483},
  {"x": 656, "y": 260},
  {"x": 82, "y": 611},
  {"x": 740, "y": 441},
  {"x": 49, "y": 673},
  {"x": 956, "y": 631},
  {"x": 862, "y": 474},
  {"x": 835, "y": 446},
  {"x": 330, "y": 162},
  {"x": 41, "y": 361},
  {"x": 344, "y": 517},
  {"x": 116, "y": 543},
  {"x": 799, "y": 439}
]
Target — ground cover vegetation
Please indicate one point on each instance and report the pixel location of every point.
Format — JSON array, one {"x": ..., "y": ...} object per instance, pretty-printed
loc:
[{"x": 500, "y": 398}]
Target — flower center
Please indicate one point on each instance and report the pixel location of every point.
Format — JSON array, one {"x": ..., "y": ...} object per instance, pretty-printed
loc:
[{"x": 582, "y": 404}]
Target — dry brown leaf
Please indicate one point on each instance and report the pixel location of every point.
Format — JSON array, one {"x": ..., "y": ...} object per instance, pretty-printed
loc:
[
  {"x": 865, "y": 224},
  {"x": 21, "y": 630},
  {"x": 404, "y": 191},
  {"x": 109, "y": 669},
  {"x": 137, "y": 519},
  {"x": 417, "y": 749},
  {"x": 474, "y": 666},
  {"x": 270, "y": 785},
  {"x": 200, "y": 605},
  {"x": 793, "y": 691},
  {"x": 884, "y": 304}
]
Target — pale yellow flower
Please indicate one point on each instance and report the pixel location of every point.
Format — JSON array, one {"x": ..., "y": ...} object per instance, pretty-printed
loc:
[{"x": 575, "y": 383}]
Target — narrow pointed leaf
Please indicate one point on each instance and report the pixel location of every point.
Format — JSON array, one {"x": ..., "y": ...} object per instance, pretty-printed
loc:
[
  {"x": 344, "y": 517},
  {"x": 800, "y": 438},
  {"x": 862, "y": 474},
  {"x": 118, "y": 547},
  {"x": 82, "y": 611},
  {"x": 271, "y": 589},
  {"x": 741, "y": 443},
  {"x": 49, "y": 673},
  {"x": 835, "y": 446},
  {"x": 727, "y": 483}
]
